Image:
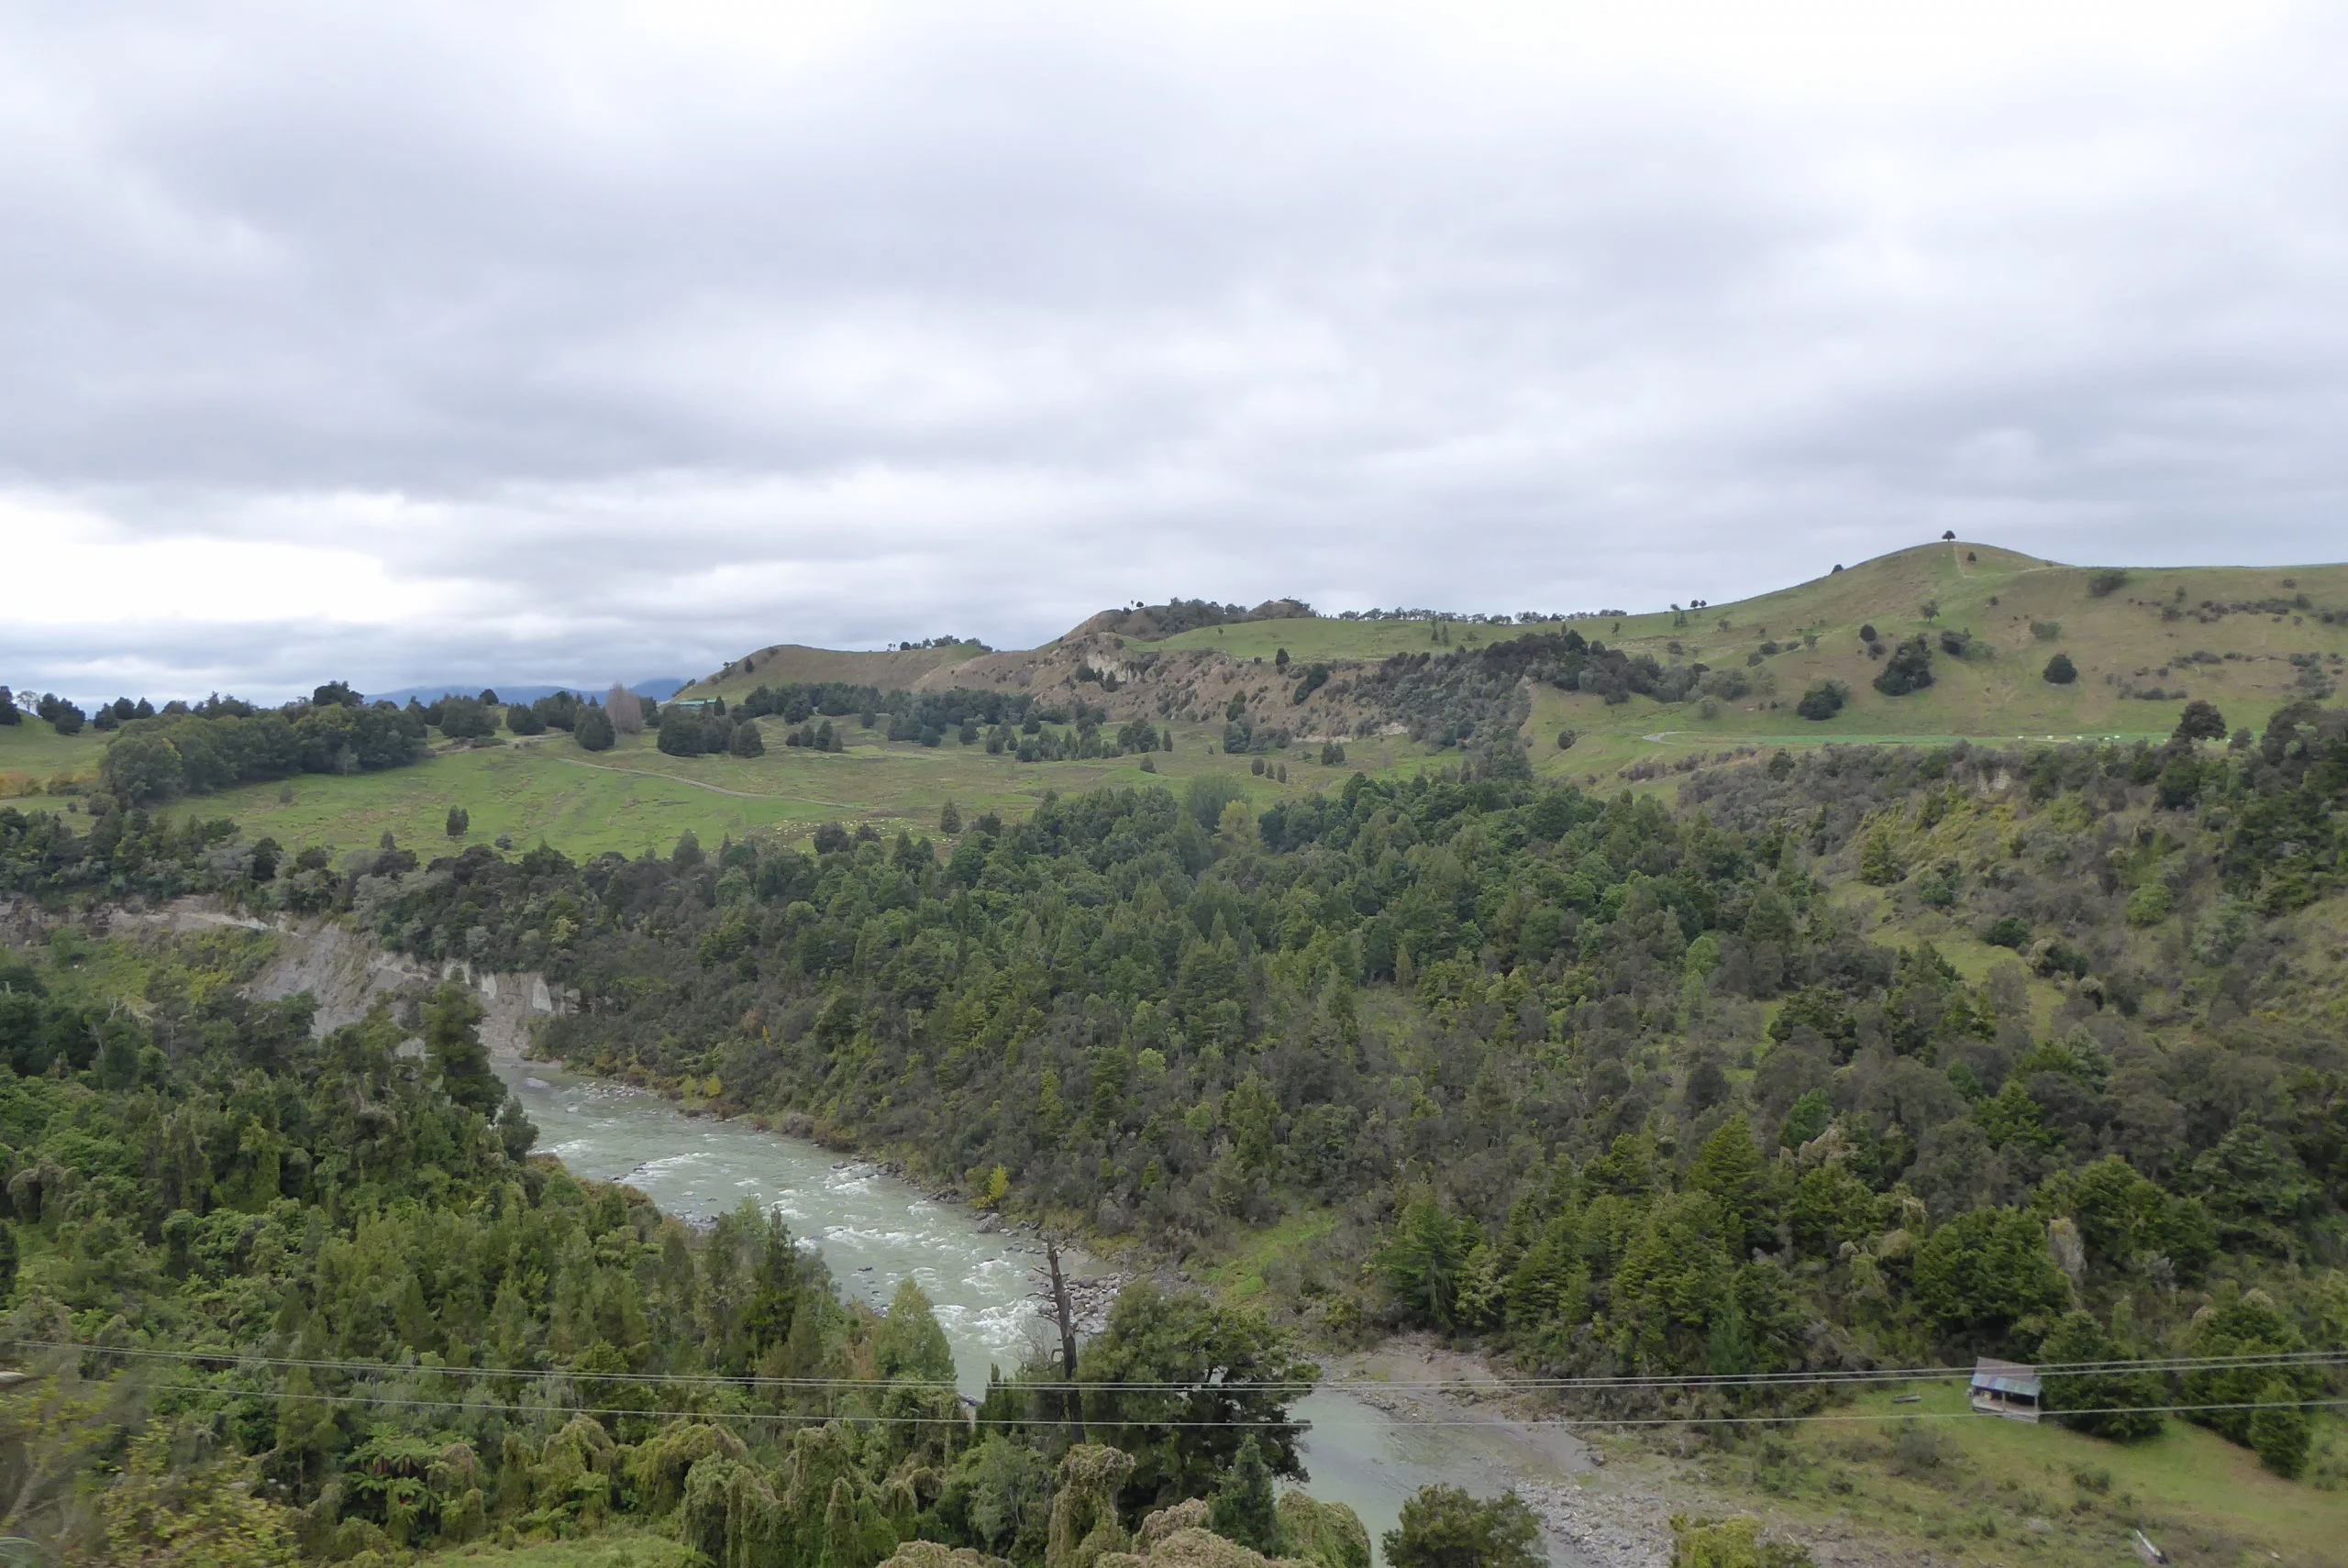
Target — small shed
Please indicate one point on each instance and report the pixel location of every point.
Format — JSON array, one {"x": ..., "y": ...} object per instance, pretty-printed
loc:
[{"x": 2006, "y": 1388}]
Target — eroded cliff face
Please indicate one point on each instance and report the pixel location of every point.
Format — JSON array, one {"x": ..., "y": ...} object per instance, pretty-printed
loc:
[
  {"x": 346, "y": 969},
  {"x": 348, "y": 972}
]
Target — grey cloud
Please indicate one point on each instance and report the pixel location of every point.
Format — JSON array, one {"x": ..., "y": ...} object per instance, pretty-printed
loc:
[{"x": 643, "y": 348}]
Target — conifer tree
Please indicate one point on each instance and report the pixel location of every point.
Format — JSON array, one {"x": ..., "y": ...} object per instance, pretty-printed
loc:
[{"x": 1243, "y": 1508}]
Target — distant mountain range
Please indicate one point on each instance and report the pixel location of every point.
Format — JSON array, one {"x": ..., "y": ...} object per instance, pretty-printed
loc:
[{"x": 660, "y": 691}]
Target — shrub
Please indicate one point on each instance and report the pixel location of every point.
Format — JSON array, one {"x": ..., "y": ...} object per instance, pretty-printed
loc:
[
  {"x": 2278, "y": 1431},
  {"x": 2060, "y": 671},
  {"x": 1730, "y": 1543},
  {"x": 2150, "y": 904},
  {"x": 2200, "y": 721},
  {"x": 1910, "y": 669},
  {"x": 2105, "y": 583},
  {"x": 1880, "y": 862},
  {"x": 2007, "y": 930},
  {"x": 2046, "y": 631},
  {"x": 1823, "y": 701},
  {"x": 1443, "y": 1526},
  {"x": 1918, "y": 1450},
  {"x": 2121, "y": 1406},
  {"x": 2180, "y": 784}
]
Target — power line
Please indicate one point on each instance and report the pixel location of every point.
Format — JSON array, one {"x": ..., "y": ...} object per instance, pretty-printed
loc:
[
  {"x": 961, "y": 1422},
  {"x": 1273, "y": 1386},
  {"x": 1596, "y": 1383}
]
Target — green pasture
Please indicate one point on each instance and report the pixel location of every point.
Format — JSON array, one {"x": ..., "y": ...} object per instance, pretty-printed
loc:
[
  {"x": 31, "y": 752},
  {"x": 1970, "y": 1485},
  {"x": 633, "y": 798}
]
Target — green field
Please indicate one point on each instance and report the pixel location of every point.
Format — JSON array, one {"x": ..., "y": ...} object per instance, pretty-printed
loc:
[
  {"x": 1972, "y": 1486},
  {"x": 633, "y": 798},
  {"x": 32, "y": 753},
  {"x": 787, "y": 664}
]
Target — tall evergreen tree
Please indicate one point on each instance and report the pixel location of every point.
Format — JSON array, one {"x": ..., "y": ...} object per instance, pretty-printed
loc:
[
  {"x": 452, "y": 1045},
  {"x": 1243, "y": 1509}
]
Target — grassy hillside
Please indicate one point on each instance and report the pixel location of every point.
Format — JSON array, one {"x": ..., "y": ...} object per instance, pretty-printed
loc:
[
  {"x": 32, "y": 753},
  {"x": 2150, "y": 631},
  {"x": 2143, "y": 633},
  {"x": 1934, "y": 1475},
  {"x": 790, "y": 663},
  {"x": 2142, "y": 641}
]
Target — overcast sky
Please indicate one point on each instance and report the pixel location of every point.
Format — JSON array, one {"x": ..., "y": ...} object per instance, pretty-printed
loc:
[{"x": 431, "y": 341}]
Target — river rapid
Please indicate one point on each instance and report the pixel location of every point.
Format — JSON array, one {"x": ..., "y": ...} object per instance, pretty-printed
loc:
[{"x": 875, "y": 1229}]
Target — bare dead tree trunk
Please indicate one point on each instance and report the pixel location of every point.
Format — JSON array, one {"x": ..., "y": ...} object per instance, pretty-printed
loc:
[
  {"x": 622, "y": 707},
  {"x": 1075, "y": 1403}
]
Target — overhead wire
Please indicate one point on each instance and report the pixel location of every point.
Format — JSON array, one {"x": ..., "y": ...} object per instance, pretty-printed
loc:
[
  {"x": 1113, "y": 1420},
  {"x": 1632, "y": 1382}
]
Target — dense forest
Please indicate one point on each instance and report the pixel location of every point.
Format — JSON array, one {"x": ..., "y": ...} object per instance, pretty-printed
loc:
[
  {"x": 288, "y": 1298},
  {"x": 1618, "y": 1088}
]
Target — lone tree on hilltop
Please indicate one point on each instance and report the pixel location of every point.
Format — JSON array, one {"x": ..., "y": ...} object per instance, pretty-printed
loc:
[{"x": 2060, "y": 671}]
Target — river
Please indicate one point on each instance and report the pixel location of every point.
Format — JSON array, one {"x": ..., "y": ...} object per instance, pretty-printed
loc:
[{"x": 875, "y": 1229}]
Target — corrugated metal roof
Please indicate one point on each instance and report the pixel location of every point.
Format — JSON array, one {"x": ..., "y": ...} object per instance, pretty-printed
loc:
[{"x": 2006, "y": 1377}]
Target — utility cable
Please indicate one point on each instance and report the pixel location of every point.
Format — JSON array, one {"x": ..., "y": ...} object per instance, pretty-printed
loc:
[
  {"x": 963, "y": 1423},
  {"x": 1840, "y": 1377}
]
